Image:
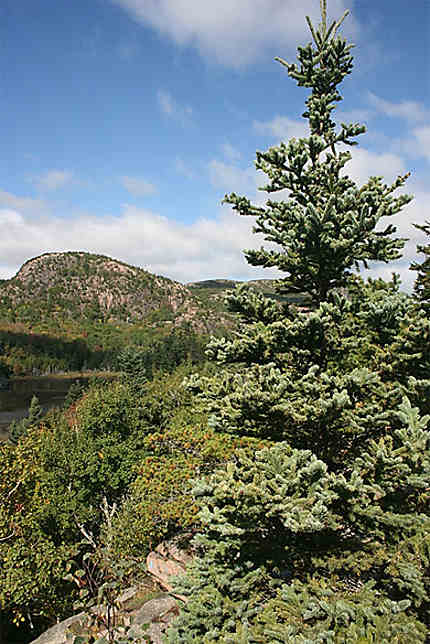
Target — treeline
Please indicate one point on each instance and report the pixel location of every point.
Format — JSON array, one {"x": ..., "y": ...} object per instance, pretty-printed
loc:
[
  {"x": 29, "y": 353},
  {"x": 34, "y": 354},
  {"x": 163, "y": 355}
]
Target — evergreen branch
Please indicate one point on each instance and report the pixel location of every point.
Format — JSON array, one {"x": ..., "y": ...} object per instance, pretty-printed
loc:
[
  {"x": 283, "y": 62},
  {"x": 333, "y": 24},
  {"x": 339, "y": 22},
  {"x": 323, "y": 5},
  {"x": 311, "y": 27}
]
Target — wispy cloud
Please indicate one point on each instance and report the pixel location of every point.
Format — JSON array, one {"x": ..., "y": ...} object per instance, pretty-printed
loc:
[
  {"x": 230, "y": 177},
  {"x": 353, "y": 116},
  {"x": 422, "y": 137},
  {"x": 26, "y": 205},
  {"x": 230, "y": 152},
  {"x": 282, "y": 127},
  {"x": 233, "y": 33},
  {"x": 415, "y": 145},
  {"x": 172, "y": 108},
  {"x": 138, "y": 186},
  {"x": 409, "y": 110},
  {"x": 54, "y": 179}
]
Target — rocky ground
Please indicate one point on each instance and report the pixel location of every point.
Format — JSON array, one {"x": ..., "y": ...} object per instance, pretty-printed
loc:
[{"x": 152, "y": 603}]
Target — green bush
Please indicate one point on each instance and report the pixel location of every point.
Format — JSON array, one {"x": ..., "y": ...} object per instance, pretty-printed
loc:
[
  {"x": 160, "y": 503},
  {"x": 52, "y": 484}
]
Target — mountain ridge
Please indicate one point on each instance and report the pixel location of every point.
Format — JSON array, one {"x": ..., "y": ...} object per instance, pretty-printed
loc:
[{"x": 77, "y": 284}]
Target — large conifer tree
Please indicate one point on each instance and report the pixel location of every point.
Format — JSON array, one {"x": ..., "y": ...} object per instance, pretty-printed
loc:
[
  {"x": 297, "y": 376},
  {"x": 422, "y": 283},
  {"x": 325, "y": 536},
  {"x": 327, "y": 225}
]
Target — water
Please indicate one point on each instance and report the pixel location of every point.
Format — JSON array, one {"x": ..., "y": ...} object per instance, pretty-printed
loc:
[{"x": 14, "y": 403}]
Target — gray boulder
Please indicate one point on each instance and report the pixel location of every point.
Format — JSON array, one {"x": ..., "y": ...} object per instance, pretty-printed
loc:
[
  {"x": 158, "y": 613},
  {"x": 57, "y": 634}
]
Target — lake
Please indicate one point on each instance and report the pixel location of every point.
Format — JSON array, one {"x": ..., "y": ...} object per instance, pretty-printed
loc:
[{"x": 50, "y": 390}]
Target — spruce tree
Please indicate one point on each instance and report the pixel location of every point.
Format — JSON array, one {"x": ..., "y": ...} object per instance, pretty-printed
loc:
[
  {"x": 323, "y": 537},
  {"x": 327, "y": 226},
  {"x": 306, "y": 377},
  {"x": 17, "y": 429},
  {"x": 422, "y": 283},
  {"x": 294, "y": 553}
]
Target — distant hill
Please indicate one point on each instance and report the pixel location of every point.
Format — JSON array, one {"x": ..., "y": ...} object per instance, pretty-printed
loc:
[
  {"x": 79, "y": 285},
  {"x": 77, "y": 310},
  {"x": 212, "y": 292},
  {"x": 73, "y": 286}
]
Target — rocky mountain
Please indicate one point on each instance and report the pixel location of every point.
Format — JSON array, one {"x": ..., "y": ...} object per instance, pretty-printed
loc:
[
  {"x": 65, "y": 288},
  {"x": 79, "y": 285}
]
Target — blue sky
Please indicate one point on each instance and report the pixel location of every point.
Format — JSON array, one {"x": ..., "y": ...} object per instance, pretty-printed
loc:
[{"x": 124, "y": 122}]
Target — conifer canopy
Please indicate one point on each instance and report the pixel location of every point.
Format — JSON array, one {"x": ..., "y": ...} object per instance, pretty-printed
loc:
[{"x": 327, "y": 225}]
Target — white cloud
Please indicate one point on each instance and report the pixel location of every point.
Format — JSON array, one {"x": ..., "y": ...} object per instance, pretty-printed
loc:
[
  {"x": 385, "y": 271},
  {"x": 25, "y": 205},
  {"x": 7, "y": 271},
  {"x": 208, "y": 247},
  {"x": 422, "y": 137},
  {"x": 408, "y": 110},
  {"x": 353, "y": 116},
  {"x": 230, "y": 152},
  {"x": 172, "y": 109},
  {"x": 231, "y": 178},
  {"x": 415, "y": 145},
  {"x": 138, "y": 186},
  {"x": 365, "y": 164},
  {"x": 233, "y": 32},
  {"x": 283, "y": 128},
  {"x": 54, "y": 179}
]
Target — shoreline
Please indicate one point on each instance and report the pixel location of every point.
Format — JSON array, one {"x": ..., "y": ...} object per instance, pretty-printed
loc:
[{"x": 51, "y": 390}]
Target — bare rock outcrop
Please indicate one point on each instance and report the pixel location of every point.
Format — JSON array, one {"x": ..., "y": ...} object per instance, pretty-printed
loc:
[{"x": 156, "y": 604}]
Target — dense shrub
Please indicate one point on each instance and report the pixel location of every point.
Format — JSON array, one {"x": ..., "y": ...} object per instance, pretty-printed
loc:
[
  {"x": 160, "y": 502},
  {"x": 52, "y": 484}
]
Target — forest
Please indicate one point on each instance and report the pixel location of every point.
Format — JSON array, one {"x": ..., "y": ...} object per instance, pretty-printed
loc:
[{"x": 290, "y": 454}]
